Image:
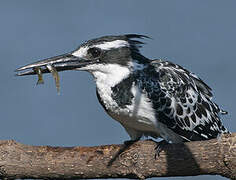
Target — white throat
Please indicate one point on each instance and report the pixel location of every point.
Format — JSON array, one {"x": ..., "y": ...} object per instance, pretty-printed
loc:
[
  {"x": 109, "y": 75},
  {"x": 106, "y": 77}
]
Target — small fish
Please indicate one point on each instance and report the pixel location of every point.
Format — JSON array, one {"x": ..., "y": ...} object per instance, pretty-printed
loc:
[
  {"x": 55, "y": 76},
  {"x": 38, "y": 71}
]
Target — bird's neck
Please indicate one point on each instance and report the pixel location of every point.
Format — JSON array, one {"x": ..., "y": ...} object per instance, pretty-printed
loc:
[{"x": 110, "y": 75}]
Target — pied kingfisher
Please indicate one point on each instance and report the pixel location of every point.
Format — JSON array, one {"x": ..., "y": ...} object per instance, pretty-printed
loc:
[{"x": 147, "y": 97}]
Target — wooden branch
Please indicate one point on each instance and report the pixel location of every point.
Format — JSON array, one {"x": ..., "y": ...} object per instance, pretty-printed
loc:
[{"x": 116, "y": 161}]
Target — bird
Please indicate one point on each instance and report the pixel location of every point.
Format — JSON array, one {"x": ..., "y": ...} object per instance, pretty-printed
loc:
[{"x": 148, "y": 97}]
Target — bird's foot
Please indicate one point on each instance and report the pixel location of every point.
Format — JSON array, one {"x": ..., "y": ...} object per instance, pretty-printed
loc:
[
  {"x": 129, "y": 142},
  {"x": 160, "y": 147}
]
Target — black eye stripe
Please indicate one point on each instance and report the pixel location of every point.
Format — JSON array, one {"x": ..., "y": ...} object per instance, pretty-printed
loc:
[{"x": 95, "y": 52}]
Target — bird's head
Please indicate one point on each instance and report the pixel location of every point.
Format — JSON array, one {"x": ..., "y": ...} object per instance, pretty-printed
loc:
[
  {"x": 94, "y": 54},
  {"x": 110, "y": 59}
]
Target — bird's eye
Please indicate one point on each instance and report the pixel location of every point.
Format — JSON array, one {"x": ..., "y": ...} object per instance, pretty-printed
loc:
[{"x": 94, "y": 52}]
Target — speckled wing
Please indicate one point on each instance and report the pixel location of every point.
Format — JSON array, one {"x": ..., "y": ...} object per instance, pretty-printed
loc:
[{"x": 185, "y": 105}]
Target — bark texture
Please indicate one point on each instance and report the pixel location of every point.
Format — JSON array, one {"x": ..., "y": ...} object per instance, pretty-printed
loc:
[{"x": 214, "y": 157}]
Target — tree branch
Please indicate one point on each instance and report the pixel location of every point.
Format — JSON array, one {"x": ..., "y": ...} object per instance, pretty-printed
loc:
[{"x": 215, "y": 157}]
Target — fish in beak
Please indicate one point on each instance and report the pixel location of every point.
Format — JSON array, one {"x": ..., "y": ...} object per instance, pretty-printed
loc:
[{"x": 53, "y": 65}]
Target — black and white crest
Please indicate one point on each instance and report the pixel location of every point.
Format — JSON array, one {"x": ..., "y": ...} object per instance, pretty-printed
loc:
[{"x": 114, "y": 49}]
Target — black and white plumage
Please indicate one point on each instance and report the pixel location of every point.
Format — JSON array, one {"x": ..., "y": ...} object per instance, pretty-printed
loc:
[{"x": 148, "y": 97}]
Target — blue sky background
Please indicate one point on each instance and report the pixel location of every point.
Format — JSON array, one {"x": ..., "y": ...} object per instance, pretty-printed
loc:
[{"x": 199, "y": 35}]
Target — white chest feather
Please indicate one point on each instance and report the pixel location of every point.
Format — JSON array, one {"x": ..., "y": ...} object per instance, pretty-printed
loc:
[
  {"x": 139, "y": 113},
  {"x": 107, "y": 76},
  {"x": 139, "y": 116}
]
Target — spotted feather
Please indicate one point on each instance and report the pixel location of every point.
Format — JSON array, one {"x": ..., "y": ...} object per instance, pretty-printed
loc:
[{"x": 184, "y": 102}]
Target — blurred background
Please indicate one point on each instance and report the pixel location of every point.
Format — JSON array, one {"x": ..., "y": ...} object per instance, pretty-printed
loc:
[{"x": 199, "y": 35}]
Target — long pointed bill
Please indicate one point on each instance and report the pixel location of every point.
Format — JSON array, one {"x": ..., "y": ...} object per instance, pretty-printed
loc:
[
  {"x": 60, "y": 63},
  {"x": 53, "y": 65}
]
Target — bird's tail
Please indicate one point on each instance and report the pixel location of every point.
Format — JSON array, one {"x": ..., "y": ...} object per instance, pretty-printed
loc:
[{"x": 223, "y": 112}]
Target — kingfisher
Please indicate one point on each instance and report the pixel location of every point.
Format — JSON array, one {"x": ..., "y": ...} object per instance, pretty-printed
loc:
[{"x": 152, "y": 98}]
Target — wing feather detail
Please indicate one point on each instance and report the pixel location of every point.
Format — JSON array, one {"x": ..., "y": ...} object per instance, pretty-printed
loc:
[{"x": 184, "y": 102}]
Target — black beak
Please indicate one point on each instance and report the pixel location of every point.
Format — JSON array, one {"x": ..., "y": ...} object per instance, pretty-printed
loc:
[{"x": 60, "y": 63}]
